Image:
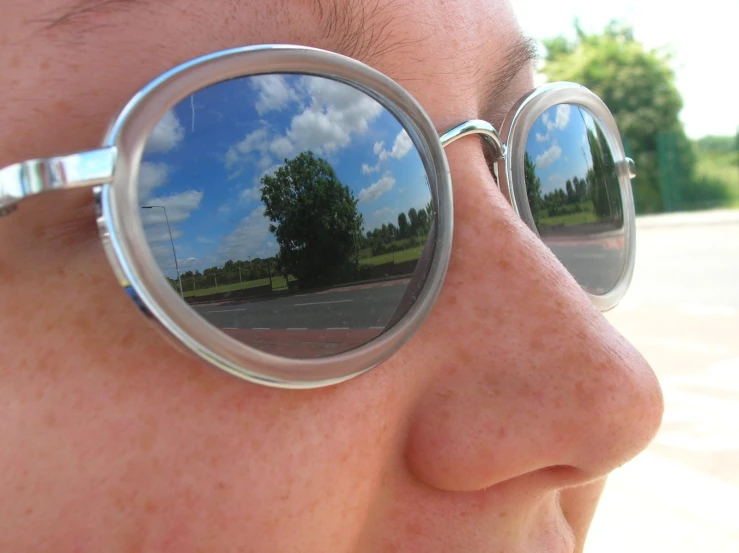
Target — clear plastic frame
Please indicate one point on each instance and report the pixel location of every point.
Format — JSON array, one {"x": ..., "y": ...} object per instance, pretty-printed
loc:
[
  {"x": 123, "y": 235},
  {"x": 511, "y": 171}
]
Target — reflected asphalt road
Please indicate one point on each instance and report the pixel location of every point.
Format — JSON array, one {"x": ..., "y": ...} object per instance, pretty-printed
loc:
[
  {"x": 360, "y": 307},
  {"x": 592, "y": 265},
  {"x": 595, "y": 260}
]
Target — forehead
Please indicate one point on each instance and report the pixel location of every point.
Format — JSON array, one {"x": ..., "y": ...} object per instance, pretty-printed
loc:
[
  {"x": 358, "y": 28},
  {"x": 450, "y": 54}
]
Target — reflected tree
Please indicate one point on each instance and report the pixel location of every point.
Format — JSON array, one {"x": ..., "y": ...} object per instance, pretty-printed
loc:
[
  {"x": 314, "y": 219},
  {"x": 412, "y": 231},
  {"x": 533, "y": 187},
  {"x": 403, "y": 227}
]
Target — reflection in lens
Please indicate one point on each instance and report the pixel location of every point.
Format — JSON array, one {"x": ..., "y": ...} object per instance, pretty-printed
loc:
[
  {"x": 290, "y": 211},
  {"x": 573, "y": 192}
]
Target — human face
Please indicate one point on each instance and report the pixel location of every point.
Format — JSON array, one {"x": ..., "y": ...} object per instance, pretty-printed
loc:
[{"x": 493, "y": 429}]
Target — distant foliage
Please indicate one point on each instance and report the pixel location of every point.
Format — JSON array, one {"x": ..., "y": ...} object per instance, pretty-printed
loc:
[
  {"x": 412, "y": 231},
  {"x": 638, "y": 86}
]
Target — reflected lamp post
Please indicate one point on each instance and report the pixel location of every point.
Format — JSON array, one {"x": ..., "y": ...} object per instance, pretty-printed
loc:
[{"x": 174, "y": 253}]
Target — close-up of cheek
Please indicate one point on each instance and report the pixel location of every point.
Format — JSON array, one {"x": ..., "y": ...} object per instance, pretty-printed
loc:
[{"x": 115, "y": 440}]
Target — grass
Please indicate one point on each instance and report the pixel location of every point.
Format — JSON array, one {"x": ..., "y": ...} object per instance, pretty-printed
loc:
[
  {"x": 395, "y": 257},
  {"x": 278, "y": 283},
  {"x": 720, "y": 169},
  {"x": 570, "y": 219}
]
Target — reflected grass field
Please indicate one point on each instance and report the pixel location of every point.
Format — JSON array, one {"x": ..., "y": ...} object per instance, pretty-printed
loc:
[
  {"x": 570, "y": 219},
  {"x": 280, "y": 283},
  {"x": 395, "y": 257}
]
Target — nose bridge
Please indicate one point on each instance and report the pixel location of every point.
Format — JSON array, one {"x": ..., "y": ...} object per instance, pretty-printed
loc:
[{"x": 526, "y": 373}]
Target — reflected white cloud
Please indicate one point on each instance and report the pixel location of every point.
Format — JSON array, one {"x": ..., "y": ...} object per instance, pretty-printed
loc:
[
  {"x": 336, "y": 111},
  {"x": 367, "y": 170},
  {"x": 251, "y": 238},
  {"x": 330, "y": 114},
  {"x": 152, "y": 175},
  {"x": 559, "y": 123},
  {"x": 253, "y": 194},
  {"x": 281, "y": 147},
  {"x": 377, "y": 189},
  {"x": 548, "y": 157},
  {"x": 274, "y": 93},
  {"x": 561, "y": 118},
  {"x": 179, "y": 207},
  {"x": 160, "y": 233},
  {"x": 402, "y": 145},
  {"x": 255, "y": 141},
  {"x": 167, "y": 134}
]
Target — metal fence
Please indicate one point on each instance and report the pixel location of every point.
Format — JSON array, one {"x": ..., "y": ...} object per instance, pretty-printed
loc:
[{"x": 690, "y": 179}]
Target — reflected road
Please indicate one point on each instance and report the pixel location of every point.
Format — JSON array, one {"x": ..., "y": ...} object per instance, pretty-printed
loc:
[{"x": 359, "y": 307}]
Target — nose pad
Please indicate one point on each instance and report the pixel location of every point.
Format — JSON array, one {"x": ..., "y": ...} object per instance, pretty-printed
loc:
[{"x": 524, "y": 375}]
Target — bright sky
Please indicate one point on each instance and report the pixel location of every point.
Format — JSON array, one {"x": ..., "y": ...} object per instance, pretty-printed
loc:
[{"x": 701, "y": 35}]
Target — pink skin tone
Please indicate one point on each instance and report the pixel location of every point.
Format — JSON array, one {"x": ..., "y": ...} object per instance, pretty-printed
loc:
[{"x": 493, "y": 430}]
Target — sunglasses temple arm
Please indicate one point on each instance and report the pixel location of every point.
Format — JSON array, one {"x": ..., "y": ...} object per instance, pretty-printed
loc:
[
  {"x": 35, "y": 176},
  {"x": 632, "y": 167}
]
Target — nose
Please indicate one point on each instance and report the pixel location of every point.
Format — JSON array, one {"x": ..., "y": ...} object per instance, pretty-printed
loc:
[{"x": 524, "y": 375}]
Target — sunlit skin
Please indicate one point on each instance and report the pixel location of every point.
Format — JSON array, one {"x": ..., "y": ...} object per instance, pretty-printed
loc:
[{"x": 491, "y": 431}]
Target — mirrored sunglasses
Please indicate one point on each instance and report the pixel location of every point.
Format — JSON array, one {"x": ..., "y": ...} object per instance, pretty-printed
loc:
[{"x": 286, "y": 212}]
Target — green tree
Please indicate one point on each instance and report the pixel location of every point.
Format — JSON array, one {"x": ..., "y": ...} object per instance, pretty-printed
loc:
[
  {"x": 424, "y": 223},
  {"x": 533, "y": 187},
  {"x": 415, "y": 223},
  {"x": 638, "y": 86},
  {"x": 403, "y": 227},
  {"x": 315, "y": 220},
  {"x": 570, "y": 191}
]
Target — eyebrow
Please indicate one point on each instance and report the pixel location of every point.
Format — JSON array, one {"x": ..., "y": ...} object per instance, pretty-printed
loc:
[
  {"x": 357, "y": 29},
  {"x": 520, "y": 55}
]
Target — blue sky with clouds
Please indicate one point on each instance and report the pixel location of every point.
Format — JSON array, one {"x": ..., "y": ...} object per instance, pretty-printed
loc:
[
  {"x": 558, "y": 145},
  {"x": 205, "y": 158}
]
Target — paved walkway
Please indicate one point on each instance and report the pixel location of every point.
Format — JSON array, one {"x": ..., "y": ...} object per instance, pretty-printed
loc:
[
  {"x": 682, "y": 494},
  {"x": 710, "y": 217}
]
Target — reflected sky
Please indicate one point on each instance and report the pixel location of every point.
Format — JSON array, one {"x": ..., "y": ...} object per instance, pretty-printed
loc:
[
  {"x": 578, "y": 211},
  {"x": 206, "y": 157},
  {"x": 558, "y": 145}
]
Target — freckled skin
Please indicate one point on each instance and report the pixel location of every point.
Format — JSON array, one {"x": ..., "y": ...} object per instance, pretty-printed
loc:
[{"x": 492, "y": 430}]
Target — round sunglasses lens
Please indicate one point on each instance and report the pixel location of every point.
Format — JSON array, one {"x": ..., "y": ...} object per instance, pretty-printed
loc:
[
  {"x": 574, "y": 195},
  {"x": 291, "y": 211}
]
